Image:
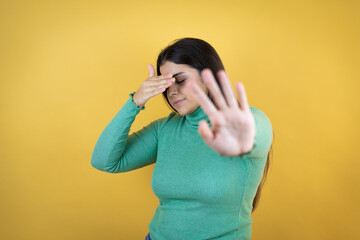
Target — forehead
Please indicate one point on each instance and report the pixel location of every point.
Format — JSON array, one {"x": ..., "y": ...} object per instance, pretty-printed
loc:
[{"x": 170, "y": 67}]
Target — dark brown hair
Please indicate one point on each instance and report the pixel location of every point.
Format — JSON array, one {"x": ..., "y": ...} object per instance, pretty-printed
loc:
[
  {"x": 198, "y": 54},
  {"x": 193, "y": 52}
]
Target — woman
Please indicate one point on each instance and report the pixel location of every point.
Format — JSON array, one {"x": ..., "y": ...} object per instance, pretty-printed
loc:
[{"x": 207, "y": 178}]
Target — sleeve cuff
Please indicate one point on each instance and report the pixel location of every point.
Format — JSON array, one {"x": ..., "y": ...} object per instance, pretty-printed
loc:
[{"x": 132, "y": 100}]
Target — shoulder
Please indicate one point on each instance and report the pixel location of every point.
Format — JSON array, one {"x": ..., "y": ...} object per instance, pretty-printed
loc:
[
  {"x": 260, "y": 116},
  {"x": 263, "y": 135},
  {"x": 161, "y": 122},
  {"x": 264, "y": 129}
]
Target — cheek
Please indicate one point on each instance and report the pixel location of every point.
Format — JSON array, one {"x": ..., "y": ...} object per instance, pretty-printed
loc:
[
  {"x": 185, "y": 89},
  {"x": 202, "y": 84}
]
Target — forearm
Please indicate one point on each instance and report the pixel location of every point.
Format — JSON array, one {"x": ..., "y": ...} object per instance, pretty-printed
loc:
[{"x": 110, "y": 146}]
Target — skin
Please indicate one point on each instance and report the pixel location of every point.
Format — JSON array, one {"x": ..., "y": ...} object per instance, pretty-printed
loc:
[
  {"x": 177, "y": 90},
  {"x": 232, "y": 131},
  {"x": 152, "y": 86}
]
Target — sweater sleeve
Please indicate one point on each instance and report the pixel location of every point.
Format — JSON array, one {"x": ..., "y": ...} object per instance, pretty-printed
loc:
[
  {"x": 263, "y": 135},
  {"x": 115, "y": 151}
]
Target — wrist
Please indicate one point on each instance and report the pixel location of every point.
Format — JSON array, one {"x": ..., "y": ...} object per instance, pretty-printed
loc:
[
  {"x": 248, "y": 150},
  {"x": 135, "y": 100}
]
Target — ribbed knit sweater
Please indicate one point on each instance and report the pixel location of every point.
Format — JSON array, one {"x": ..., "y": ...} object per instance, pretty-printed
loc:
[{"x": 202, "y": 195}]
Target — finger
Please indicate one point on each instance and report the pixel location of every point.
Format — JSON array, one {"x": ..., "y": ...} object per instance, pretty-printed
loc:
[
  {"x": 151, "y": 70},
  {"x": 205, "y": 131},
  {"x": 228, "y": 91},
  {"x": 155, "y": 91},
  {"x": 214, "y": 88},
  {"x": 242, "y": 96},
  {"x": 161, "y": 77},
  {"x": 157, "y": 88},
  {"x": 203, "y": 100},
  {"x": 163, "y": 81}
]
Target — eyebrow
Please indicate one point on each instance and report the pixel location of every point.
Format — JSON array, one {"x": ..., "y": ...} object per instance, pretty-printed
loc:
[{"x": 177, "y": 74}]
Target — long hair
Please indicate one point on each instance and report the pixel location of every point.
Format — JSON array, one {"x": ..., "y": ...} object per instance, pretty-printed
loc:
[
  {"x": 263, "y": 179},
  {"x": 198, "y": 54}
]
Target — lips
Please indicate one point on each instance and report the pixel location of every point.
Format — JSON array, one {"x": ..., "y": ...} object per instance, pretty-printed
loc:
[{"x": 178, "y": 102}]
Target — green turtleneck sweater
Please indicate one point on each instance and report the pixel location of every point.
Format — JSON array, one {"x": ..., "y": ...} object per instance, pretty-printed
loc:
[{"x": 202, "y": 195}]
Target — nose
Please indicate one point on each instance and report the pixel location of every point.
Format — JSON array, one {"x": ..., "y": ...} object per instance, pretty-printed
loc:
[{"x": 173, "y": 89}]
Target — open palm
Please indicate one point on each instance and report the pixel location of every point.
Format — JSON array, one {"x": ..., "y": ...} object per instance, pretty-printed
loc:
[{"x": 232, "y": 131}]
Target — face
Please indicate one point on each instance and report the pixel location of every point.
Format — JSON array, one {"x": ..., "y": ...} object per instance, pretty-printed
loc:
[{"x": 181, "y": 101}]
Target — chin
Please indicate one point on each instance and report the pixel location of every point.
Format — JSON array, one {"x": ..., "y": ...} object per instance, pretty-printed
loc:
[{"x": 181, "y": 113}]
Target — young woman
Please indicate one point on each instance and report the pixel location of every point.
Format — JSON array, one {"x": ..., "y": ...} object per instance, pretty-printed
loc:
[{"x": 211, "y": 153}]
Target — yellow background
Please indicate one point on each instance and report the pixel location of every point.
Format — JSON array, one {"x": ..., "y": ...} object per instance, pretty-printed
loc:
[{"x": 67, "y": 67}]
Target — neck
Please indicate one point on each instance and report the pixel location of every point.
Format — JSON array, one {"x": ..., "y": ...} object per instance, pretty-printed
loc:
[{"x": 195, "y": 117}]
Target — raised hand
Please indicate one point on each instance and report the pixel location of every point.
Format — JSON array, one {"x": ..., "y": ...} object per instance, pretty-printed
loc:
[
  {"x": 232, "y": 131},
  {"x": 152, "y": 86}
]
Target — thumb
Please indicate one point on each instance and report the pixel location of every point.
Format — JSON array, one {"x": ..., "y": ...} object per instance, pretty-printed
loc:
[
  {"x": 205, "y": 132},
  {"x": 151, "y": 70}
]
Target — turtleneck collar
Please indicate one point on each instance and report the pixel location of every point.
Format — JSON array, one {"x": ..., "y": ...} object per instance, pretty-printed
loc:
[{"x": 195, "y": 117}]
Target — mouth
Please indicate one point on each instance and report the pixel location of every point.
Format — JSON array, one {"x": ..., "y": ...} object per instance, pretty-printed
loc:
[{"x": 178, "y": 102}]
